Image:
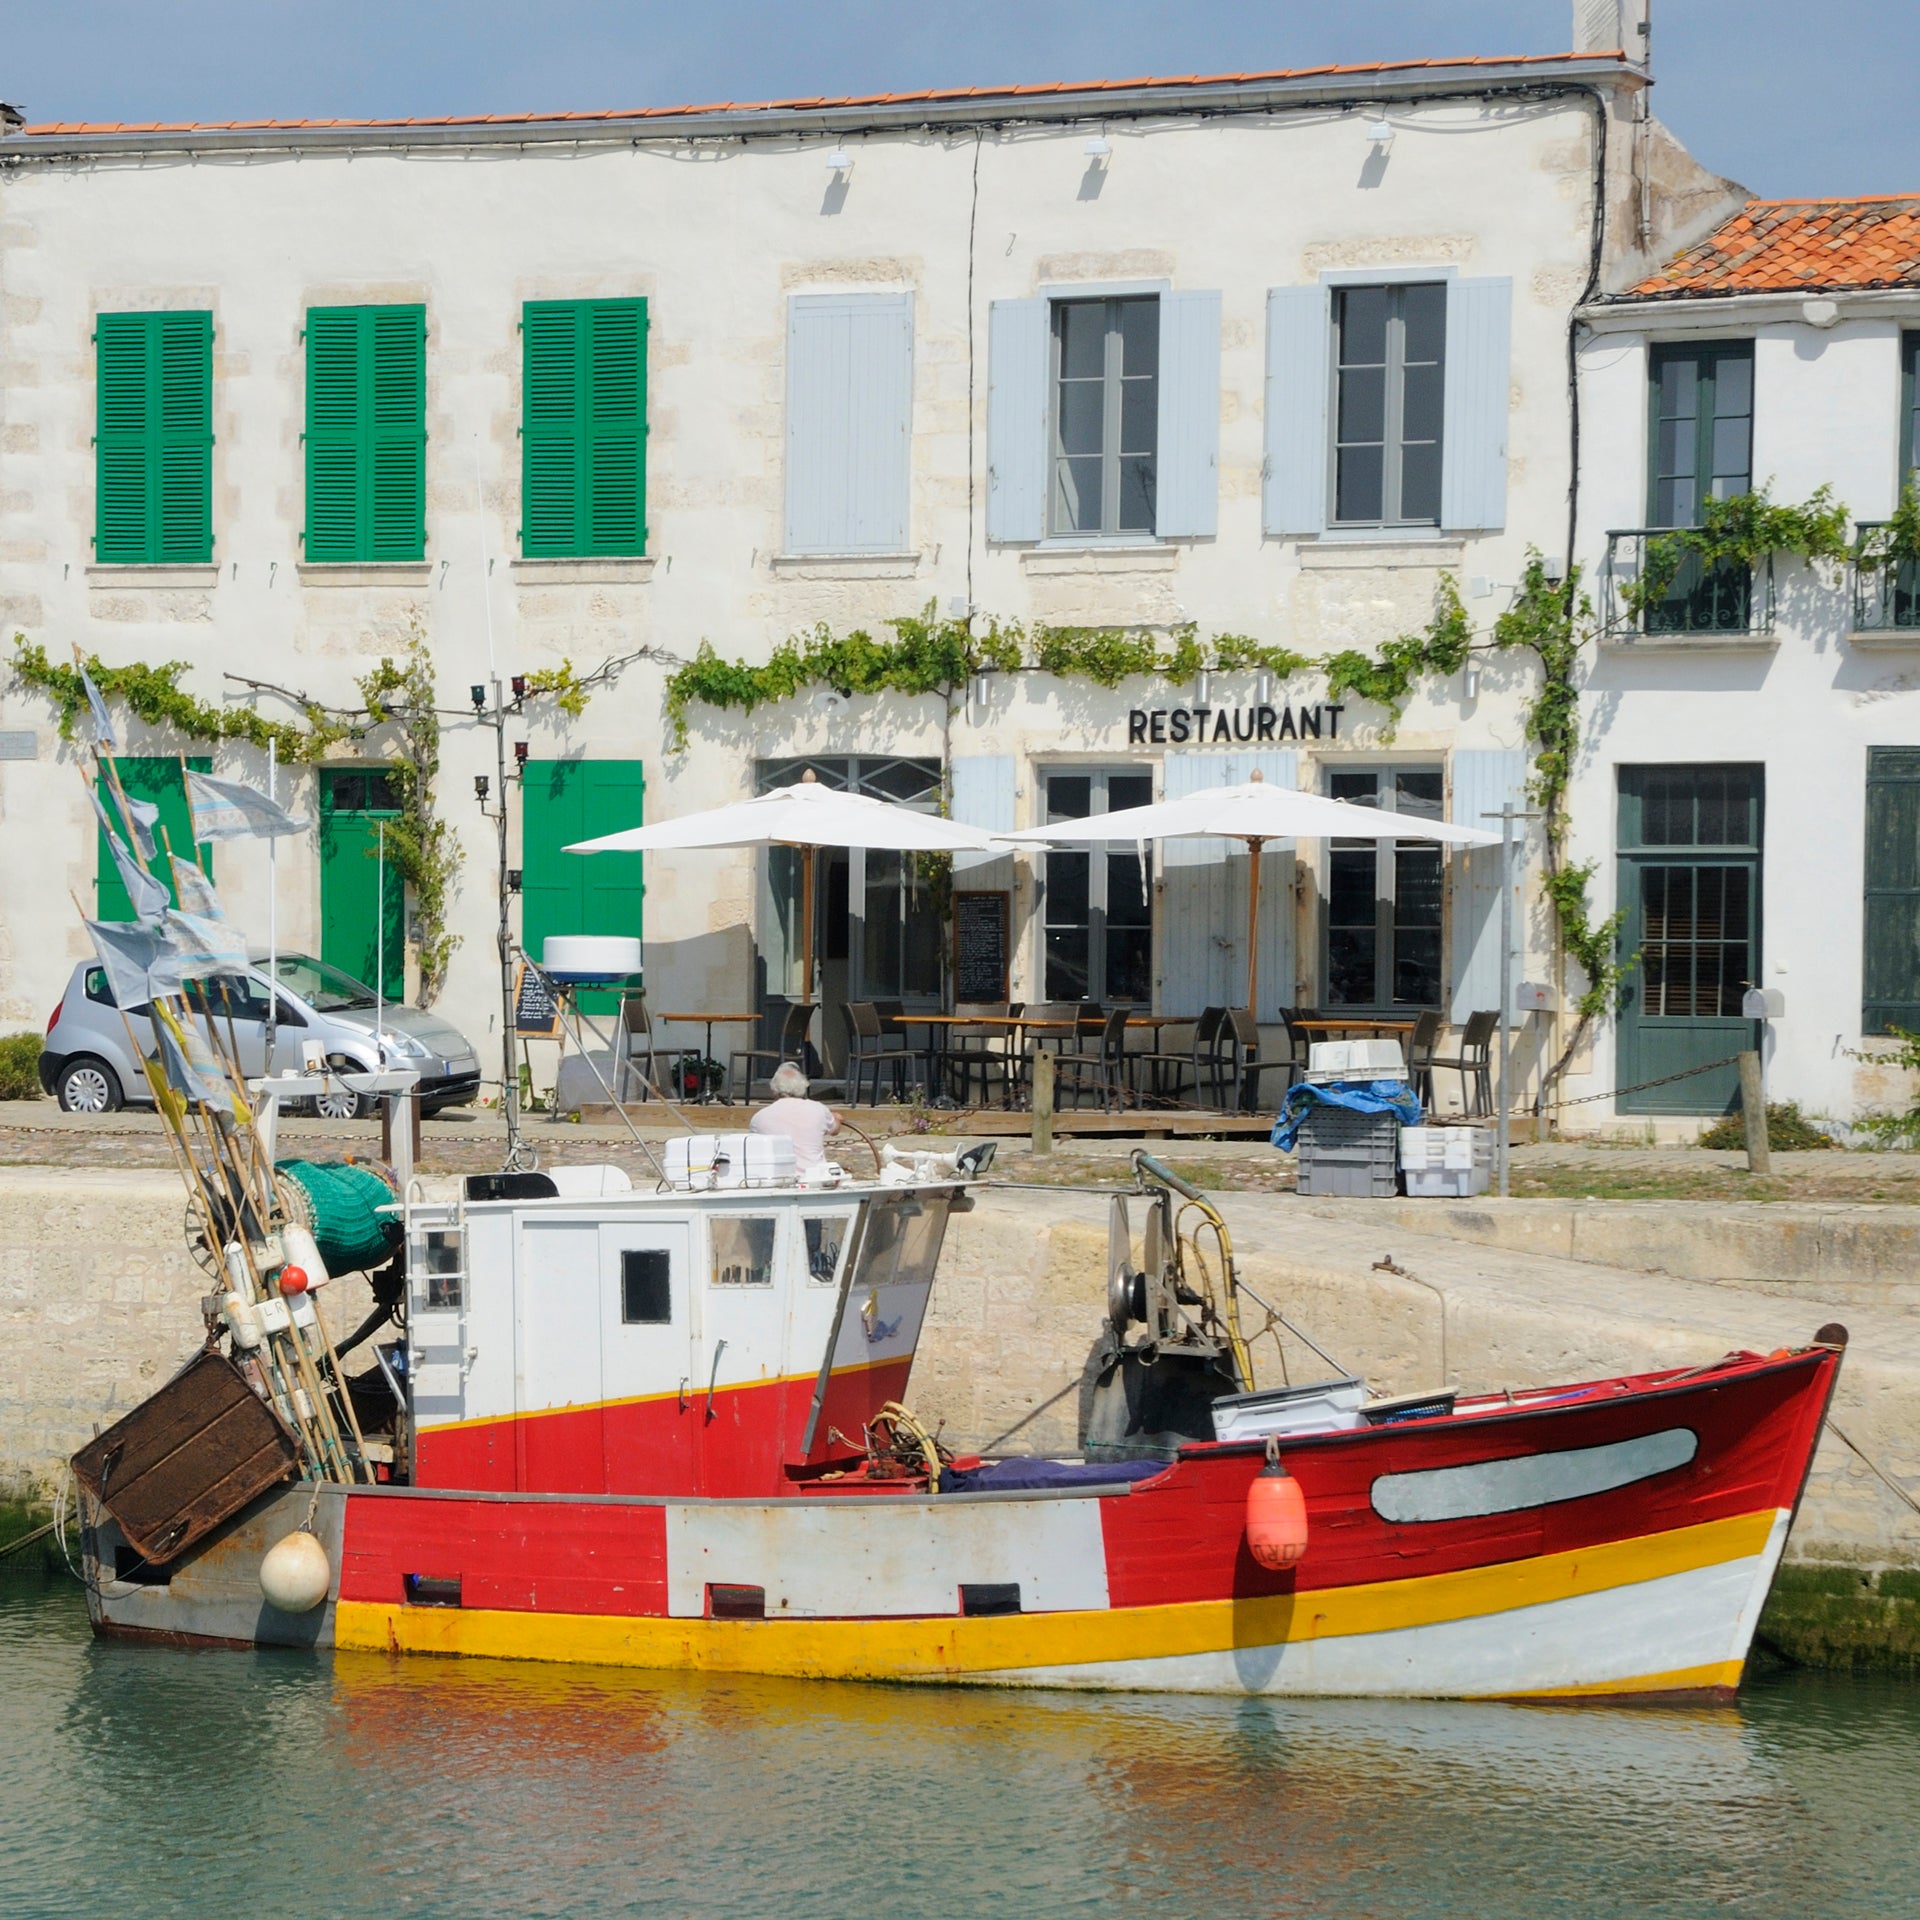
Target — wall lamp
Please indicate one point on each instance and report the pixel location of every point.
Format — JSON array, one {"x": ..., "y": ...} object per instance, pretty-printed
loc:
[
  {"x": 514, "y": 876},
  {"x": 1378, "y": 132},
  {"x": 480, "y": 786},
  {"x": 840, "y": 161},
  {"x": 519, "y": 685},
  {"x": 520, "y": 753},
  {"x": 1099, "y": 149},
  {"x": 478, "y": 695}
]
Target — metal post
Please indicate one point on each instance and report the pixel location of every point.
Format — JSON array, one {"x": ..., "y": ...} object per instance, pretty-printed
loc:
[
  {"x": 1503, "y": 1143},
  {"x": 509, "y": 1075},
  {"x": 273, "y": 907}
]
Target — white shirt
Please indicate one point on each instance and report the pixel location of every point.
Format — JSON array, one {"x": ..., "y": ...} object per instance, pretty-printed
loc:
[{"x": 807, "y": 1123}]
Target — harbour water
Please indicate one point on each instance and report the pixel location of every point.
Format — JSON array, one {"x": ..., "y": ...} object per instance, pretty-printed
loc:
[{"x": 151, "y": 1783}]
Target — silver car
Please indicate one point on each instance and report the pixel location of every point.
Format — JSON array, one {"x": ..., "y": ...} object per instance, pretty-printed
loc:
[{"x": 92, "y": 1059}]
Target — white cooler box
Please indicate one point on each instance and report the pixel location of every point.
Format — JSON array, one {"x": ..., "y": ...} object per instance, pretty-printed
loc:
[
  {"x": 699, "y": 1161},
  {"x": 1327, "y": 1406},
  {"x": 1446, "y": 1163}
]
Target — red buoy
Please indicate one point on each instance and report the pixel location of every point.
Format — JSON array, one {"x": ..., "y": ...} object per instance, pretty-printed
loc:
[
  {"x": 293, "y": 1279},
  {"x": 1276, "y": 1515}
]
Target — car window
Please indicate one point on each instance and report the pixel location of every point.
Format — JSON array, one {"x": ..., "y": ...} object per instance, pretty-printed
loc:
[
  {"x": 228, "y": 996},
  {"x": 100, "y": 991},
  {"x": 324, "y": 988}
]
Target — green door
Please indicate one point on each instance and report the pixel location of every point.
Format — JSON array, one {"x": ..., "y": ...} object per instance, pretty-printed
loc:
[
  {"x": 1689, "y": 852},
  {"x": 158, "y": 780},
  {"x": 362, "y": 898},
  {"x": 562, "y": 801}
]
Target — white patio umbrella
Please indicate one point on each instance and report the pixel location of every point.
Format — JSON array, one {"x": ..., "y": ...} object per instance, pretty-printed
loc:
[
  {"x": 1253, "y": 813},
  {"x": 806, "y": 815}
]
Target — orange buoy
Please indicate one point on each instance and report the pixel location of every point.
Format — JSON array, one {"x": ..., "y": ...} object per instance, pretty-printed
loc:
[
  {"x": 293, "y": 1279},
  {"x": 1276, "y": 1515}
]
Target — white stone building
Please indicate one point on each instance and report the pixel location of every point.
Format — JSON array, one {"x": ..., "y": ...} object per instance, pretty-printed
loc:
[{"x": 1264, "y": 355}]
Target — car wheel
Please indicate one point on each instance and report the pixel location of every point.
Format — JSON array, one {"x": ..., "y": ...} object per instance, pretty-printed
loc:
[
  {"x": 339, "y": 1103},
  {"x": 87, "y": 1085}
]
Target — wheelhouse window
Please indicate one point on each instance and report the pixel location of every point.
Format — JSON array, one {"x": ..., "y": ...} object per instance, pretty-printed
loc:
[
  {"x": 1390, "y": 346},
  {"x": 646, "y": 1287},
  {"x": 742, "y": 1250},
  {"x": 826, "y": 1237},
  {"x": 1700, "y": 449},
  {"x": 1098, "y": 901},
  {"x": 1106, "y": 416},
  {"x": 1384, "y": 897}
]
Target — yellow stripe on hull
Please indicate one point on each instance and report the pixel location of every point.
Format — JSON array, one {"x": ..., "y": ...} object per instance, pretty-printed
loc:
[{"x": 1007, "y": 1647}]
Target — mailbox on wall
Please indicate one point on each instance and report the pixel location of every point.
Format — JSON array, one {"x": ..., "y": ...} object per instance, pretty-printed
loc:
[{"x": 1763, "y": 1003}]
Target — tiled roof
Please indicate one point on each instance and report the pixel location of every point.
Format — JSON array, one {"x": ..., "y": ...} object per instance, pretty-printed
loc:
[
  {"x": 931, "y": 97},
  {"x": 1773, "y": 246}
]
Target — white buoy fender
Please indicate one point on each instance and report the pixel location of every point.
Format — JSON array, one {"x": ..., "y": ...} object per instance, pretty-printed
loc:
[{"x": 295, "y": 1574}]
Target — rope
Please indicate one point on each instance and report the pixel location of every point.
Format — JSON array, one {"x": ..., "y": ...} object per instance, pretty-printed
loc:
[
  {"x": 1640, "y": 1086},
  {"x": 1872, "y": 1465}
]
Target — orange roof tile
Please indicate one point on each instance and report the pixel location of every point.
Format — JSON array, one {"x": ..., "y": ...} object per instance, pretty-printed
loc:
[
  {"x": 1773, "y": 246},
  {"x": 949, "y": 96}
]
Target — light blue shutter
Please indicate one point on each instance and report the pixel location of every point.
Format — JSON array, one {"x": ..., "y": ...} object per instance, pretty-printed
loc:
[
  {"x": 849, "y": 422},
  {"x": 1187, "y": 500},
  {"x": 1299, "y": 377},
  {"x": 1473, "y": 455},
  {"x": 1017, "y": 360},
  {"x": 1484, "y": 781},
  {"x": 1203, "y": 904}
]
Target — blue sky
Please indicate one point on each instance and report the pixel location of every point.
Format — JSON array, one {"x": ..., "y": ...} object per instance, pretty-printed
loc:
[{"x": 1790, "y": 97}]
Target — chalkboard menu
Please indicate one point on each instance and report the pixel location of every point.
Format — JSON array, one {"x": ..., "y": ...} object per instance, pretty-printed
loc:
[
  {"x": 980, "y": 925},
  {"x": 536, "y": 1014}
]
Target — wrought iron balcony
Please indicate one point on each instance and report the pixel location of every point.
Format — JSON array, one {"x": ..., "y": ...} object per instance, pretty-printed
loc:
[
  {"x": 1886, "y": 586},
  {"x": 1727, "y": 597}
]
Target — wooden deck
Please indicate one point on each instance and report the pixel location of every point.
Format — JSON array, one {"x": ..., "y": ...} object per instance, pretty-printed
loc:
[{"x": 987, "y": 1123}]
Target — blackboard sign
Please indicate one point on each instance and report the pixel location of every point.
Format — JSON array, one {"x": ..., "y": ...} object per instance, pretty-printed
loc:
[
  {"x": 536, "y": 1014},
  {"x": 980, "y": 923}
]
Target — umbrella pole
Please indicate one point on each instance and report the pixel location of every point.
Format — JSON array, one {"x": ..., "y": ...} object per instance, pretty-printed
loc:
[
  {"x": 1253, "y": 927},
  {"x": 806, "y": 919}
]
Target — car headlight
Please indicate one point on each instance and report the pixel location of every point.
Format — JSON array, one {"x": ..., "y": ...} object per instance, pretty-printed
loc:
[{"x": 404, "y": 1043}]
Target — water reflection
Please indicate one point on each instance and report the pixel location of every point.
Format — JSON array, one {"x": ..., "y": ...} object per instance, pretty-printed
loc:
[{"x": 214, "y": 1784}]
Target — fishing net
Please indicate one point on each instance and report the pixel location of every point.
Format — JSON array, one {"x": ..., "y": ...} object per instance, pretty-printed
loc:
[{"x": 339, "y": 1202}]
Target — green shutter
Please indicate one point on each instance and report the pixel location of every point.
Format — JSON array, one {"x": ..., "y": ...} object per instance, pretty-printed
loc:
[
  {"x": 1890, "y": 961},
  {"x": 153, "y": 443},
  {"x": 156, "y": 779},
  {"x": 366, "y": 433},
  {"x": 584, "y": 428},
  {"x": 562, "y": 801}
]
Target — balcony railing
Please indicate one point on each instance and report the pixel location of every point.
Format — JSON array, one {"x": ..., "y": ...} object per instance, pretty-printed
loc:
[
  {"x": 1886, "y": 587},
  {"x": 1727, "y": 597}
]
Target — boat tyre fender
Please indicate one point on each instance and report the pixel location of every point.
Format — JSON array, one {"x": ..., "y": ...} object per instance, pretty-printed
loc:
[{"x": 1276, "y": 1515}]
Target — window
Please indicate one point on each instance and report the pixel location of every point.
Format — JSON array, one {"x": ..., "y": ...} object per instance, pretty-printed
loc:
[
  {"x": 849, "y": 422},
  {"x": 1098, "y": 902},
  {"x": 583, "y": 438},
  {"x": 228, "y": 996},
  {"x": 446, "y": 1279},
  {"x": 742, "y": 1251},
  {"x": 1890, "y": 991},
  {"x": 1106, "y": 416},
  {"x": 1383, "y": 945},
  {"x": 153, "y": 438},
  {"x": 646, "y": 1286},
  {"x": 366, "y": 433},
  {"x": 1909, "y": 404},
  {"x": 1700, "y": 446},
  {"x": 826, "y": 1236},
  {"x": 1389, "y": 387}
]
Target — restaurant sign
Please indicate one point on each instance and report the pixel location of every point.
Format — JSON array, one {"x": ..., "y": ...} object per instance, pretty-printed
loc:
[{"x": 1230, "y": 726}]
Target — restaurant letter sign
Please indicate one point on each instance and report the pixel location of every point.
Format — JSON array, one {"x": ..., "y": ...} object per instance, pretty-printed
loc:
[{"x": 1229, "y": 726}]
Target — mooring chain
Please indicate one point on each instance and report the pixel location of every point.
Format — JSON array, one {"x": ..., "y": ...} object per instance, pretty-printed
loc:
[{"x": 1640, "y": 1086}]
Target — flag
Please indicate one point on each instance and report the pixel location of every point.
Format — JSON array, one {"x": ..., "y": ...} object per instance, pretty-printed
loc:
[
  {"x": 102, "y": 727},
  {"x": 126, "y": 952},
  {"x": 194, "y": 948},
  {"x": 150, "y": 899},
  {"x": 232, "y": 810},
  {"x": 189, "y": 1068},
  {"x": 142, "y": 817},
  {"x": 194, "y": 891}
]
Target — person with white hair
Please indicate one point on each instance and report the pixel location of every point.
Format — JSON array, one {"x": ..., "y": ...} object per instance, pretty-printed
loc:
[{"x": 807, "y": 1123}]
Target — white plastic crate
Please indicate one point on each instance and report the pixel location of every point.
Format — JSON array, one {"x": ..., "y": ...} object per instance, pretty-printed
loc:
[
  {"x": 1455, "y": 1149},
  {"x": 1447, "y": 1183},
  {"x": 1356, "y": 1059}
]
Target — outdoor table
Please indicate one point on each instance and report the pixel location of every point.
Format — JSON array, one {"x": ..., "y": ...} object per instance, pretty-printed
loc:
[
  {"x": 711, "y": 1020},
  {"x": 1359, "y": 1025}
]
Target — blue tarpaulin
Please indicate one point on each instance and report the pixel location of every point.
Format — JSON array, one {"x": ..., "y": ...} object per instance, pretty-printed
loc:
[{"x": 1362, "y": 1096}]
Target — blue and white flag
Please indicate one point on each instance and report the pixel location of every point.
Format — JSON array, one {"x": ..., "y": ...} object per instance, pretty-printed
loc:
[
  {"x": 189, "y": 1068},
  {"x": 126, "y": 952},
  {"x": 150, "y": 899},
  {"x": 232, "y": 810},
  {"x": 195, "y": 947},
  {"x": 142, "y": 817},
  {"x": 103, "y": 735},
  {"x": 195, "y": 892}
]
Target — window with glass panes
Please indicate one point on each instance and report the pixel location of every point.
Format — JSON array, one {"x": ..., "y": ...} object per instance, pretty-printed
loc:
[
  {"x": 1384, "y": 897},
  {"x": 1106, "y": 415},
  {"x": 1390, "y": 349},
  {"x": 1700, "y": 443},
  {"x": 1909, "y": 403},
  {"x": 1097, "y": 913}
]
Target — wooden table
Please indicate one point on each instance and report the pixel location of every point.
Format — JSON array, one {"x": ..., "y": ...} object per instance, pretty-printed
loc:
[
  {"x": 1358, "y": 1025},
  {"x": 942, "y": 1026},
  {"x": 711, "y": 1020}
]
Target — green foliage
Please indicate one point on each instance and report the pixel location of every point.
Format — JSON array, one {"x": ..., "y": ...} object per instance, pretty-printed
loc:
[
  {"x": 1788, "y": 1131},
  {"x": 569, "y": 693},
  {"x": 1441, "y": 647},
  {"x": 1742, "y": 531},
  {"x": 153, "y": 694},
  {"x": 19, "y": 1066},
  {"x": 1896, "y": 542}
]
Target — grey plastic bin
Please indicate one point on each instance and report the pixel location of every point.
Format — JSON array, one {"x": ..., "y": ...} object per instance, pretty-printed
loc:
[{"x": 1344, "y": 1154}]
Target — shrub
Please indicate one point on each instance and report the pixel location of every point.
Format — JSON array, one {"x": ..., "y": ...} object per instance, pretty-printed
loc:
[
  {"x": 19, "y": 1066},
  {"x": 1788, "y": 1131}
]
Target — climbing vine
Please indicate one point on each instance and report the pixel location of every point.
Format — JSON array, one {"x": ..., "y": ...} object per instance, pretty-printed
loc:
[
  {"x": 1742, "y": 531},
  {"x": 1896, "y": 542}
]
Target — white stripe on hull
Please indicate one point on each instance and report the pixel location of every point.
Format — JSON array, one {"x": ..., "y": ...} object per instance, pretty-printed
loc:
[{"x": 1595, "y": 1641}]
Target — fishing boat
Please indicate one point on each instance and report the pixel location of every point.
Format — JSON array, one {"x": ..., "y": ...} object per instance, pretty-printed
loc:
[{"x": 670, "y": 1427}]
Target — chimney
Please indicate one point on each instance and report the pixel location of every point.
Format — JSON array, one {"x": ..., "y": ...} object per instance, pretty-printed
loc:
[
  {"x": 11, "y": 118},
  {"x": 1601, "y": 26}
]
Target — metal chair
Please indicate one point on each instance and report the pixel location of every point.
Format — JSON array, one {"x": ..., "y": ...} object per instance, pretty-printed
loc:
[
  {"x": 1420, "y": 1044},
  {"x": 1160, "y": 1072},
  {"x": 870, "y": 1048},
  {"x": 1473, "y": 1063},
  {"x": 1244, "y": 1032},
  {"x": 638, "y": 1053},
  {"x": 1101, "y": 1067},
  {"x": 793, "y": 1046},
  {"x": 1210, "y": 1062},
  {"x": 989, "y": 1055}
]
